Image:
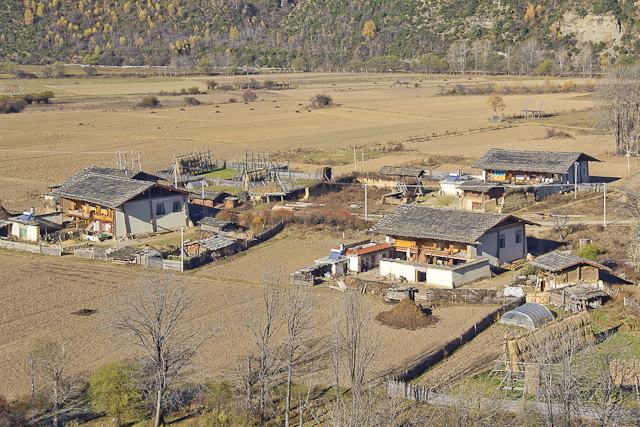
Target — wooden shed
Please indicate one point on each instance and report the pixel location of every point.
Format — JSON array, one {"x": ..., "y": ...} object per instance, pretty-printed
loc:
[{"x": 560, "y": 269}]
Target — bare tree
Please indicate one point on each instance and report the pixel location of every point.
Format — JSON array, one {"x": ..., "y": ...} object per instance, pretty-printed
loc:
[
  {"x": 610, "y": 367},
  {"x": 529, "y": 52},
  {"x": 560, "y": 359},
  {"x": 560, "y": 220},
  {"x": 354, "y": 341},
  {"x": 153, "y": 315},
  {"x": 471, "y": 406},
  {"x": 263, "y": 318},
  {"x": 299, "y": 322},
  {"x": 584, "y": 59},
  {"x": 560, "y": 59},
  {"x": 52, "y": 364},
  {"x": 618, "y": 107}
]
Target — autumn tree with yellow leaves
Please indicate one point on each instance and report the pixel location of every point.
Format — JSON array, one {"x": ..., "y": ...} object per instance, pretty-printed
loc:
[
  {"x": 370, "y": 30},
  {"x": 496, "y": 103}
]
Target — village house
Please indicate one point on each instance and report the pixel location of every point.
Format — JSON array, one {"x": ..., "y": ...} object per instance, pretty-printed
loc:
[
  {"x": 356, "y": 257},
  {"x": 520, "y": 167},
  {"x": 118, "y": 203},
  {"x": 558, "y": 269},
  {"x": 447, "y": 247},
  {"x": 31, "y": 227},
  {"x": 479, "y": 196}
]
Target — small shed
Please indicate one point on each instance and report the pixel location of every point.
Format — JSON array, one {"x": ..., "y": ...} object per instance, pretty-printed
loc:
[
  {"x": 30, "y": 227},
  {"x": 559, "y": 269},
  {"x": 217, "y": 225},
  {"x": 530, "y": 316},
  {"x": 576, "y": 297},
  {"x": 214, "y": 245}
]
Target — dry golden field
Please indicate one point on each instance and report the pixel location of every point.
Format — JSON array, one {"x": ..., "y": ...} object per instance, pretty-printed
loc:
[
  {"x": 91, "y": 119},
  {"x": 40, "y": 293}
]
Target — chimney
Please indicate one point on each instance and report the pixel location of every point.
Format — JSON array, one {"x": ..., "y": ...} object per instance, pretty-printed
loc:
[
  {"x": 341, "y": 248},
  {"x": 32, "y": 212},
  {"x": 458, "y": 174}
]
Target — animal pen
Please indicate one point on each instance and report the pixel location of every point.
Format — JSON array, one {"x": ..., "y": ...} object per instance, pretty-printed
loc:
[
  {"x": 258, "y": 175},
  {"x": 535, "y": 114}
]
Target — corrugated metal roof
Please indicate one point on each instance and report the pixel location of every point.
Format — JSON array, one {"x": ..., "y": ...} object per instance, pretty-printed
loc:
[{"x": 530, "y": 161}]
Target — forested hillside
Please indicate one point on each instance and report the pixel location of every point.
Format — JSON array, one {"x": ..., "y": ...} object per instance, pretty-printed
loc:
[{"x": 494, "y": 36}]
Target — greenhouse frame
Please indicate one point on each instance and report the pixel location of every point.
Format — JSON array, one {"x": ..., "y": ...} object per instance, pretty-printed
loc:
[{"x": 530, "y": 316}]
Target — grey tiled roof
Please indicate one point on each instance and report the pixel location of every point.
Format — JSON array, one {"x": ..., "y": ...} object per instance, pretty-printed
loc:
[
  {"x": 443, "y": 224},
  {"x": 104, "y": 190},
  {"x": 215, "y": 242},
  {"x": 40, "y": 222},
  {"x": 400, "y": 171},
  {"x": 126, "y": 253},
  {"x": 114, "y": 173},
  {"x": 556, "y": 261},
  {"x": 477, "y": 186},
  {"x": 214, "y": 222},
  {"x": 530, "y": 161}
]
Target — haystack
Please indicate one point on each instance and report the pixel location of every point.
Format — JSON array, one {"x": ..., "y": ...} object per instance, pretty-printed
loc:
[
  {"x": 406, "y": 315},
  {"x": 516, "y": 348}
]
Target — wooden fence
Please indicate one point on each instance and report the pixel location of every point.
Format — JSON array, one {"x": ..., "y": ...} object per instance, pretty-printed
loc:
[
  {"x": 431, "y": 359},
  {"x": 35, "y": 249},
  {"x": 90, "y": 253}
]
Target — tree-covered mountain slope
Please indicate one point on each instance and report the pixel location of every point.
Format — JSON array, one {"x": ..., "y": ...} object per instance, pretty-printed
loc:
[{"x": 462, "y": 34}]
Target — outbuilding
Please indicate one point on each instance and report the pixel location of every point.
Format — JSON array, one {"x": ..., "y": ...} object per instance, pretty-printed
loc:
[
  {"x": 559, "y": 269},
  {"x": 530, "y": 316}
]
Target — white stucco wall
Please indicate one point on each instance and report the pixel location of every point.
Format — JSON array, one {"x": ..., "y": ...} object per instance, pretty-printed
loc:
[
  {"x": 440, "y": 277},
  {"x": 138, "y": 217},
  {"x": 121, "y": 226},
  {"x": 388, "y": 268},
  {"x": 512, "y": 250},
  {"x": 33, "y": 232},
  {"x": 170, "y": 219}
]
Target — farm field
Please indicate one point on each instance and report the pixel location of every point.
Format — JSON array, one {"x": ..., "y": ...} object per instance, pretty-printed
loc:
[
  {"x": 40, "y": 294},
  {"x": 89, "y": 121}
]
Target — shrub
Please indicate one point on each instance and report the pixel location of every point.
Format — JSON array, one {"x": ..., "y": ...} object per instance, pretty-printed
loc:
[
  {"x": 233, "y": 100},
  {"x": 568, "y": 86},
  {"x": 269, "y": 84},
  {"x": 43, "y": 97},
  {"x": 589, "y": 251},
  {"x": 321, "y": 100},
  {"x": 149, "y": 102},
  {"x": 90, "y": 71},
  {"x": 556, "y": 133},
  {"x": 211, "y": 84},
  {"x": 12, "y": 414},
  {"x": 14, "y": 105},
  {"x": 193, "y": 90},
  {"x": 249, "y": 95},
  {"x": 227, "y": 216},
  {"x": 111, "y": 391},
  {"x": 189, "y": 100}
]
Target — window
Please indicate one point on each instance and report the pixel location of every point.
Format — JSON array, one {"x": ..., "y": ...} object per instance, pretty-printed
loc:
[
  {"x": 502, "y": 242},
  {"x": 160, "y": 209},
  {"x": 518, "y": 237},
  {"x": 176, "y": 206}
]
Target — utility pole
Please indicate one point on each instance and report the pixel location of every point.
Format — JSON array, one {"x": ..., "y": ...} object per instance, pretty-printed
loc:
[
  {"x": 575, "y": 181},
  {"x": 175, "y": 175},
  {"x": 605, "y": 204},
  {"x": 181, "y": 248},
  {"x": 203, "y": 209},
  {"x": 355, "y": 162},
  {"x": 139, "y": 162},
  {"x": 365, "y": 202},
  {"x": 33, "y": 410}
]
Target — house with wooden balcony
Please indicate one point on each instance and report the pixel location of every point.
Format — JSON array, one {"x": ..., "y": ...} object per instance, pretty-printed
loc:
[
  {"x": 119, "y": 203},
  {"x": 521, "y": 167}
]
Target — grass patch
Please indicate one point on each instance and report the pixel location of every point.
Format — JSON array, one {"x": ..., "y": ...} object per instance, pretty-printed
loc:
[{"x": 221, "y": 173}]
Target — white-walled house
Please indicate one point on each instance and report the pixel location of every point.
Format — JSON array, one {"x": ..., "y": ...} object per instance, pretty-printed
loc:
[
  {"x": 112, "y": 203},
  {"x": 427, "y": 239}
]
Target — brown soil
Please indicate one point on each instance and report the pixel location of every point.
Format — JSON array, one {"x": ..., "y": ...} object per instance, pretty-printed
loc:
[
  {"x": 39, "y": 294},
  {"x": 3, "y": 213},
  {"x": 407, "y": 315}
]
